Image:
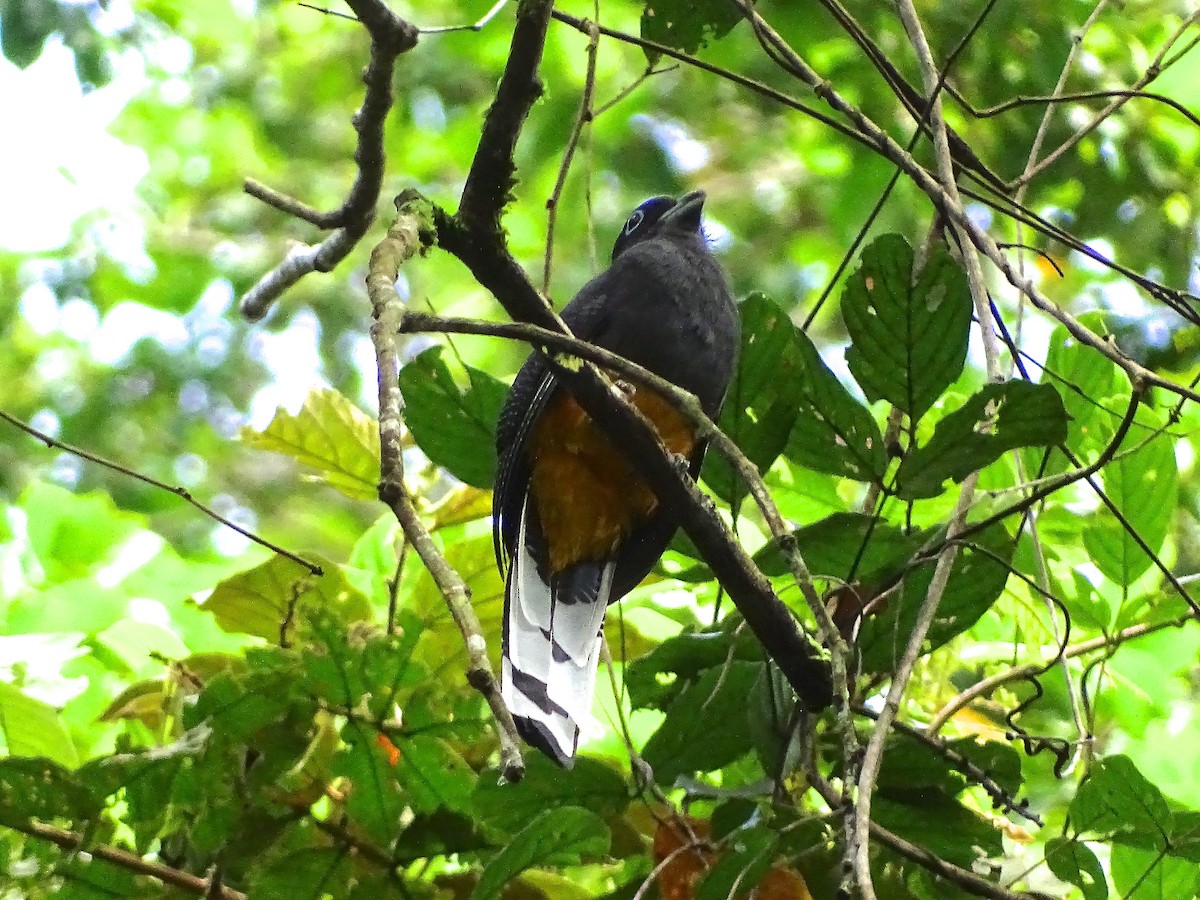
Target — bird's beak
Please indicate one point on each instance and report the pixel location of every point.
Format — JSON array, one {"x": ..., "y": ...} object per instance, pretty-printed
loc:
[{"x": 685, "y": 214}]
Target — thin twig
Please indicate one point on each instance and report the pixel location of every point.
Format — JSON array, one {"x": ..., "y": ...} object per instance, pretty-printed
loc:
[
  {"x": 390, "y": 37},
  {"x": 1152, "y": 71},
  {"x": 968, "y": 881},
  {"x": 182, "y": 493},
  {"x": 1018, "y": 673},
  {"x": 581, "y": 121}
]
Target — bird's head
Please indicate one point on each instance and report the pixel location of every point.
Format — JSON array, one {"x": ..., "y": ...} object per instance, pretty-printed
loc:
[{"x": 661, "y": 215}]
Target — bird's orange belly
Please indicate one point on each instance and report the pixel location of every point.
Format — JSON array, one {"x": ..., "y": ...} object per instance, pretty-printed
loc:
[{"x": 588, "y": 497}]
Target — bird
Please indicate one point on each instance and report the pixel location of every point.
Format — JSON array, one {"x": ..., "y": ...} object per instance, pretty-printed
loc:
[{"x": 575, "y": 526}]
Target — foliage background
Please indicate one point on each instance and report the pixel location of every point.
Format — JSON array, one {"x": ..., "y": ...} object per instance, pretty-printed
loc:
[{"x": 118, "y": 600}]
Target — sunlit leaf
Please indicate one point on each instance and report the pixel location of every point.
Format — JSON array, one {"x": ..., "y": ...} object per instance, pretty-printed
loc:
[
  {"x": 331, "y": 435},
  {"x": 1142, "y": 482},
  {"x": 33, "y": 728},
  {"x": 273, "y": 600}
]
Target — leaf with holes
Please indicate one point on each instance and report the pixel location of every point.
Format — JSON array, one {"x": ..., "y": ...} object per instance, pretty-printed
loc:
[
  {"x": 908, "y": 341},
  {"x": 454, "y": 426},
  {"x": 687, "y": 25},
  {"x": 834, "y": 433},
  {"x": 999, "y": 418}
]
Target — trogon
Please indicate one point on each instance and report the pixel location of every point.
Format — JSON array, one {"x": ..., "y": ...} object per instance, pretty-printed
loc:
[{"x": 575, "y": 526}]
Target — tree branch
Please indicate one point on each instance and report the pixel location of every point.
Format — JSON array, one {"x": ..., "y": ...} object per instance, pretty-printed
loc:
[
  {"x": 409, "y": 235},
  {"x": 390, "y": 36},
  {"x": 491, "y": 177},
  {"x": 176, "y": 878}
]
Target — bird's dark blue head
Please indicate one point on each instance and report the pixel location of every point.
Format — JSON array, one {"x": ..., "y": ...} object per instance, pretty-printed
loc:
[{"x": 660, "y": 214}]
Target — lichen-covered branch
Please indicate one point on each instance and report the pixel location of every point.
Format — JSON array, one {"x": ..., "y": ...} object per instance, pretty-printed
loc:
[{"x": 408, "y": 235}]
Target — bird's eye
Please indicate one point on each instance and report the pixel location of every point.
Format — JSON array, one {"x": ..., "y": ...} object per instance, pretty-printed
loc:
[{"x": 631, "y": 225}]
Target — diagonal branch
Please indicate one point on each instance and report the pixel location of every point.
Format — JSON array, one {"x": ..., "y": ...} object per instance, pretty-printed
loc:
[
  {"x": 486, "y": 192},
  {"x": 176, "y": 878},
  {"x": 181, "y": 492}
]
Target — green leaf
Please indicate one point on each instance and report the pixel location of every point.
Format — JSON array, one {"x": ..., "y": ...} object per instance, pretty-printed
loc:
[
  {"x": 908, "y": 343},
  {"x": 834, "y": 433},
  {"x": 280, "y": 598},
  {"x": 509, "y": 807},
  {"x": 977, "y": 580},
  {"x": 1087, "y": 381},
  {"x": 1141, "y": 874},
  {"x": 913, "y": 769},
  {"x": 455, "y": 427},
  {"x": 73, "y": 534},
  {"x": 33, "y": 728},
  {"x": 39, "y": 788},
  {"x": 1073, "y": 861},
  {"x": 375, "y": 802},
  {"x": 314, "y": 872},
  {"x": 999, "y": 418},
  {"x": 365, "y": 670},
  {"x": 237, "y": 705},
  {"x": 654, "y": 679},
  {"x": 846, "y": 547},
  {"x": 940, "y": 825},
  {"x": 686, "y": 741},
  {"x": 562, "y": 836},
  {"x": 1117, "y": 798},
  {"x": 329, "y": 434},
  {"x": 785, "y": 399},
  {"x": 1144, "y": 485},
  {"x": 746, "y": 856},
  {"x": 760, "y": 407},
  {"x": 687, "y": 25},
  {"x": 441, "y": 833},
  {"x": 434, "y": 774},
  {"x": 24, "y": 28}
]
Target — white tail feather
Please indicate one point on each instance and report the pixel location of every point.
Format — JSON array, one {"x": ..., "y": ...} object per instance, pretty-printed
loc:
[{"x": 553, "y": 695}]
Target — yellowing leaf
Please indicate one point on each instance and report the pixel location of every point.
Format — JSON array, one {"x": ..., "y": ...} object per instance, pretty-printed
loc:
[
  {"x": 329, "y": 434},
  {"x": 33, "y": 728},
  {"x": 271, "y": 600}
]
